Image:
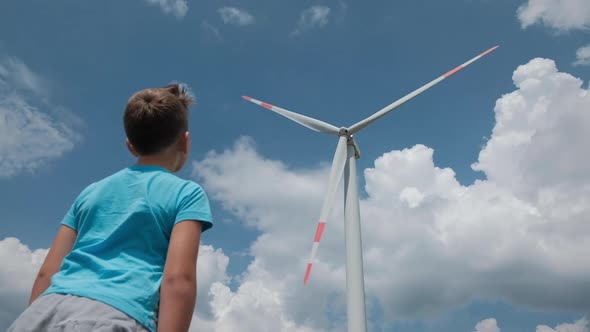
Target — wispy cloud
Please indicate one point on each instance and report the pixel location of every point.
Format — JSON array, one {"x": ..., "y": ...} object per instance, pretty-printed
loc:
[
  {"x": 557, "y": 14},
  {"x": 177, "y": 8},
  {"x": 312, "y": 17},
  {"x": 211, "y": 29},
  {"x": 235, "y": 16},
  {"x": 13, "y": 71},
  {"x": 583, "y": 56},
  {"x": 29, "y": 138}
]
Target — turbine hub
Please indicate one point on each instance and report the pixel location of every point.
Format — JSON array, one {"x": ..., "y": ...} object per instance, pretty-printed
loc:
[{"x": 343, "y": 132}]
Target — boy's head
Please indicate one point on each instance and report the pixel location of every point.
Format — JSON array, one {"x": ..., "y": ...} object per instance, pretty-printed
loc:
[{"x": 156, "y": 120}]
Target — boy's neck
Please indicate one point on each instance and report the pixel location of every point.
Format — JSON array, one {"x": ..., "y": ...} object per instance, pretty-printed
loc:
[{"x": 166, "y": 163}]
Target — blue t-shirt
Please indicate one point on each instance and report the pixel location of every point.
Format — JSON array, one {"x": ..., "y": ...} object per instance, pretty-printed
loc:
[{"x": 124, "y": 224}]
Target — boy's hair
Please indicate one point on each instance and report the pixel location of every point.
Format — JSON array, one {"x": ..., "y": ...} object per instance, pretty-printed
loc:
[{"x": 155, "y": 118}]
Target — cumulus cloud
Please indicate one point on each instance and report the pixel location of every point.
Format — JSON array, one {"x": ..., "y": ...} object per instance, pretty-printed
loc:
[
  {"x": 29, "y": 137},
  {"x": 280, "y": 252},
  {"x": 235, "y": 16},
  {"x": 20, "y": 265},
  {"x": 312, "y": 17},
  {"x": 583, "y": 56},
  {"x": 536, "y": 146},
  {"x": 250, "y": 307},
  {"x": 177, "y": 8},
  {"x": 490, "y": 325},
  {"x": 211, "y": 268},
  {"x": 579, "y": 326},
  {"x": 430, "y": 243},
  {"x": 19, "y": 269},
  {"x": 557, "y": 14},
  {"x": 487, "y": 325}
]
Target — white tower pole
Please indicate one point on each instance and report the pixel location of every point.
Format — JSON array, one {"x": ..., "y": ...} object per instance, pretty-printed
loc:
[{"x": 355, "y": 285}]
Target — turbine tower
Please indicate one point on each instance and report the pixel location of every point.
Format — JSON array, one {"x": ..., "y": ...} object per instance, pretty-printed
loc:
[{"x": 344, "y": 163}]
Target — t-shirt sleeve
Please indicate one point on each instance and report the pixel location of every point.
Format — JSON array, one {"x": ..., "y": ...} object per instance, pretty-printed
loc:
[
  {"x": 70, "y": 218},
  {"x": 193, "y": 204}
]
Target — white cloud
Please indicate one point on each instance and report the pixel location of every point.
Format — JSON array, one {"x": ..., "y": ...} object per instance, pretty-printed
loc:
[
  {"x": 579, "y": 326},
  {"x": 280, "y": 253},
  {"x": 253, "y": 307},
  {"x": 557, "y": 14},
  {"x": 487, "y": 325},
  {"x": 19, "y": 269},
  {"x": 235, "y": 16},
  {"x": 211, "y": 268},
  {"x": 430, "y": 243},
  {"x": 177, "y": 8},
  {"x": 210, "y": 30},
  {"x": 536, "y": 147},
  {"x": 15, "y": 72},
  {"x": 411, "y": 196},
  {"x": 583, "y": 56},
  {"x": 490, "y": 325},
  {"x": 29, "y": 138},
  {"x": 312, "y": 17}
]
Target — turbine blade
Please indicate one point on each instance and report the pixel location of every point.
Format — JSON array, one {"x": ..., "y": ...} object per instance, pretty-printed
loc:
[
  {"x": 362, "y": 124},
  {"x": 335, "y": 176},
  {"x": 303, "y": 120}
]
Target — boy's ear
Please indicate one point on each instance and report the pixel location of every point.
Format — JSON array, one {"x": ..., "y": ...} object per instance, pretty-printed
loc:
[
  {"x": 131, "y": 148},
  {"x": 186, "y": 142}
]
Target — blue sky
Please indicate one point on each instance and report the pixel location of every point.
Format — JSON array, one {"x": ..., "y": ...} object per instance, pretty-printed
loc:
[{"x": 75, "y": 64}]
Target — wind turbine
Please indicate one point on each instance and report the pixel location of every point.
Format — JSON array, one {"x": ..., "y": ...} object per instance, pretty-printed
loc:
[{"x": 344, "y": 161}]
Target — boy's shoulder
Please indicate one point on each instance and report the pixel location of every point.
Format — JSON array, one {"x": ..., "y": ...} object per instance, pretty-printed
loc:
[
  {"x": 155, "y": 177},
  {"x": 158, "y": 176}
]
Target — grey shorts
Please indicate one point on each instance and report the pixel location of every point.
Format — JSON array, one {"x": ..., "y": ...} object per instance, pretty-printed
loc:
[{"x": 64, "y": 313}]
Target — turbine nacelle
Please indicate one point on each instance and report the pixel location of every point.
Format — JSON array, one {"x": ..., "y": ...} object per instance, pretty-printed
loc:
[{"x": 357, "y": 151}]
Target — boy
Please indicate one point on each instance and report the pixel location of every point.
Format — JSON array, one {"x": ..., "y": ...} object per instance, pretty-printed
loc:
[{"x": 124, "y": 258}]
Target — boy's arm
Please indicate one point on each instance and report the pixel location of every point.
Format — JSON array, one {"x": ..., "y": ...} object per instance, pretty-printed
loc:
[
  {"x": 179, "y": 283},
  {"x": 62, "y": 245}
]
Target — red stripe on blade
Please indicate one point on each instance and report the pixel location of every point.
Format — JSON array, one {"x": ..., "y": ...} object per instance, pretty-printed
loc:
[
  {"x": 319, "y": 231},
  {"x": 307, "y": 273},
  {"x": 451, "y": 72},
  {"x": 488, "y": 51},
  {"x": 265, "y": 105},
  {"x": 247, "y": 98}
]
